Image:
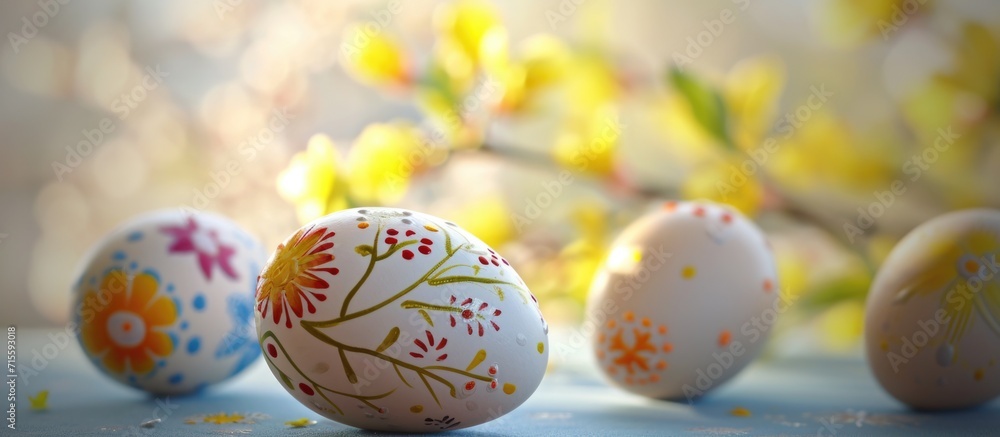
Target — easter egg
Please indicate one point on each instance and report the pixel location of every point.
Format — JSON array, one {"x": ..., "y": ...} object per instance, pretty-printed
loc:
[
  {"x": 684, "y": 301},
  {"x": 932, "y": 319},
  {"x": 164, "y": 303},
  {"x": 393, "y": 320}
]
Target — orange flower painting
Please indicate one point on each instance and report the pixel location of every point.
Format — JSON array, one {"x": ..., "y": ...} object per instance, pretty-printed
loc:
[
  {"x": 127, "y": 330},
  {"x": 291, "y": 276}
]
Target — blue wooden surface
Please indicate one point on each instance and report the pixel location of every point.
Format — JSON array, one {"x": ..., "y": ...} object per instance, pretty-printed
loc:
[{"x": 803, "y": 397}]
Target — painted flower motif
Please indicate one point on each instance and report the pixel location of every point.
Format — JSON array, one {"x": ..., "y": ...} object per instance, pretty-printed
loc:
[
  {"x": 635, "y": 346},
  {"x": 474, "y": 312},
  {"x": 205, "y": 244},
  {"x": 492, "y": 259},
  {"x": 241, "y": 340},
  {"x": 127, "y": 332},
  {"x": 429, "y": 349},
  {"x": 291, "y": 277},
  {"x": 957, "y": 268},
  {"x": 394, "y": 236},
  {"x": 630, "y": 355}
]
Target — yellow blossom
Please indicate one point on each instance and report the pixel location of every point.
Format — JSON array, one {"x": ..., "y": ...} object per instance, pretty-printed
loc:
[
  {"x": 725, "y": 181},
  {"x": 487, "y": 218},
  {"x": 474, "y": 27},
  {"x": 851, "y": 22},
  {"x": 589, "y": 143},
  {"x": 313, "y": 181},
  {"x": 382, "y": 161},
  {"x": 377, "y": 60}
]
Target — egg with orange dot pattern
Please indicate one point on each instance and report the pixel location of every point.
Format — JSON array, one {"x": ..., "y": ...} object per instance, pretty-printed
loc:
[{"x": 684, "y": 301}]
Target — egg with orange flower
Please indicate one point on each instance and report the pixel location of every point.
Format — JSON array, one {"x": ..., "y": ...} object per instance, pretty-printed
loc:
[
  {"x": 394, "y": 320},
  {"x": 684, "y": 301},
  {"x": 164, "y": 302},
  {"x": 932, "y": 320}
]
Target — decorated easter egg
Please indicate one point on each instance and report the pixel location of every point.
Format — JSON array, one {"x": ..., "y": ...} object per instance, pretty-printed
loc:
[
  {"x": 164, "y": 303},
  {"x": 932, "y": 321},
  {"x": 685, "y": 299},
  {"x": 387, "y": 319}
]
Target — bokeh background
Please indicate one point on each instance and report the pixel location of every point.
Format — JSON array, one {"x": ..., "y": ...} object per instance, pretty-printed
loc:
[{"x": 277, "y": 112}]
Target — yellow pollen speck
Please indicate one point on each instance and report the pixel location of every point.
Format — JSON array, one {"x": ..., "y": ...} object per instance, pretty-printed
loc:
[
  {"x": 979, "y": 374},
  {"x": 541, "y": 347},
  {"x": 40, "y": 400},
  {"x": 740, "y": 412},
  {"x": 884, "y": 345},
  {"x": 416, "y": 408},
  {"x": 688, "y": 272},
  {"x": 646, "y": 322},
  {"x": 629, "y": 316},
  {"x": 300, "y": 423},
  {"x": 363, "y": 225},
  {"x": 509, "y": 388},
  {"x": 430, "y": 228}
]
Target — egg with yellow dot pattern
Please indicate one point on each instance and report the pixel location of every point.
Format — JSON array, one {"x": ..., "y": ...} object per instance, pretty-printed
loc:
[{"x": 684, "y": 301}]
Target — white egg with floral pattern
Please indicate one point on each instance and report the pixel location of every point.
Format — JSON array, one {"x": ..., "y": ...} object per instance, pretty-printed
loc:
[
  {"x": 932, "y": 319},
  {"x": 685, "y": 300},
  {"x": 392, "y": 320},
  {"x": 164, "y": 303}
]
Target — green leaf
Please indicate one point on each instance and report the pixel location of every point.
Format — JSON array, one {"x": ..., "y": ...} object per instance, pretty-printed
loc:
[
  {"x": 852, "y": 287},
  {"x": 499, "y": 292},
  {"x": 706, "y": 104},
  {"x": 285, "y": 379},
  {"x": 390, "y": 338},
  {"x": 348, "y": 370},
  {"x": 364, "y": 250}
]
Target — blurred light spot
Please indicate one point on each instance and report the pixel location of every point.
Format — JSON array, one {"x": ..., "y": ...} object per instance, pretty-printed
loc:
[
  {"x": 624, "y": 259},
  {"x": 231, "y": 112},
  {"x": 57, "y": 201},
  {"x": 42, "y": 67},
  {"x": 263, "y": 67},
  {"x": 119, "y": 170},
  {"x": 162, "y": 136},
  {"x": 50, "y": 276},
  {"x": 104, "y": 66}
]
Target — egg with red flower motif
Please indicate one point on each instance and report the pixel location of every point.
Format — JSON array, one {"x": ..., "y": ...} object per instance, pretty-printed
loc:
[
  {"x": 164, "y": 303},
  {"x": 684, "y": 301},
  {"x": 392, "y": 320}
]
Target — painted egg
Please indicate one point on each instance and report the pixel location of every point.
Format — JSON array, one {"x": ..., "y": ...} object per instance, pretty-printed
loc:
[
  {"x": 165, "y": 302},
  {"x": 932, "y": 322},
  {"x": 685, "y": 299},
  {"x": 387, "y": 319}
]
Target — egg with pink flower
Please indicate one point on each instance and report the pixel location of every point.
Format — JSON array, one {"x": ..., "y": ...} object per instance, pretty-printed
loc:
[{"x": 164, "y": 302}]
